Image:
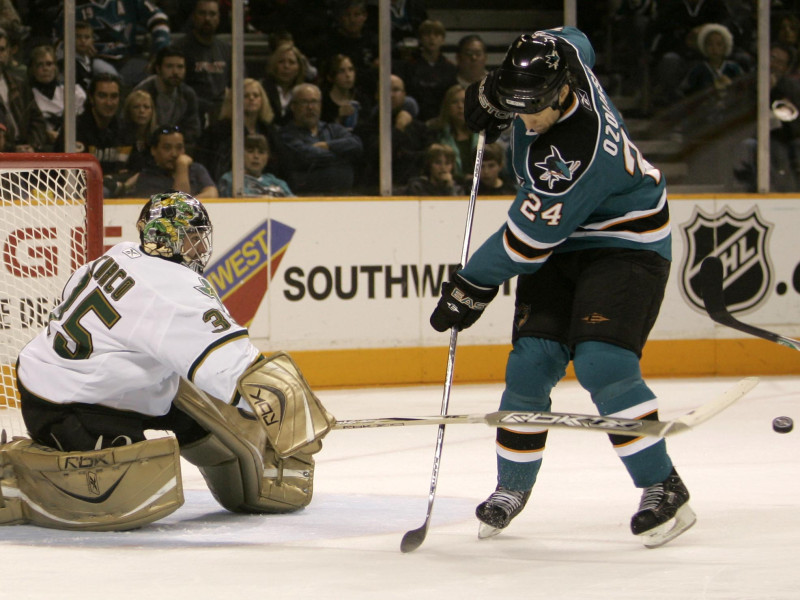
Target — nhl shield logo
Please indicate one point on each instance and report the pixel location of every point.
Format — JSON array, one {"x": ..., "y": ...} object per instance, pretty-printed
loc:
[{"x": 741, "y": 243}]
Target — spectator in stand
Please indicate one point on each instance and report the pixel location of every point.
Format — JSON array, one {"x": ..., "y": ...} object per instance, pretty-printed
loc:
[
  {"x": 87, "y": 63},
  {"x": 18, "y": 58},
  {"x": 9, "y": 17},
  {"x": 450, "y": 129},
  {"x": 427, "y": 72},
  {"x": 352, "y": 38},
  {"x": 784, "y": 139},
  {"x": 410, "y": 139},
  {"x": 716, "y": 71},
  {"x": 321, "y": 157},
  {"x": 627, "y": 29},
  {"x": 286, "y": 68},
  {"x": 258, "y": 120},
  {"x": 788, "y": 33},
  {"x": 99, "y": 131},
  {"x": 27, "y": 131},
  {"x": 471, "y": 60},
  {"x": 406, "y": 16},
  {"x": 172, "y": 168},
  {"x": 176, "y": 103},
  {"x": 307, "y": 20},
  {"x": 437, "y": 179},
  {"x": 493, "y": 181},
  {"x": 256, "y": 181},
  {"x": 48, "y": 92},
  {"x": 342, "y": 101},
  {"x": 208, "y": 60},
  {"x": 139, "y": 122},
  {"x": 116, "y": 25},
  {"x": 673, "y": 43}
]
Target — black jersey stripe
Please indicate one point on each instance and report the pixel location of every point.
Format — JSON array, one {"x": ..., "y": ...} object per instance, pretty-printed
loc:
[
  {"x": 647, "y": 223},
  {"x": 522, "y": 249},
  {"x": 625, "y": 440},
  {"x": 220, "y": 342},
  {"x": 521, "y": 442}
]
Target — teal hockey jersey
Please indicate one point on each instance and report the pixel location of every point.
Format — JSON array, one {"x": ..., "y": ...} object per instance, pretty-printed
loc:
[{"x": 582, "y": 184}]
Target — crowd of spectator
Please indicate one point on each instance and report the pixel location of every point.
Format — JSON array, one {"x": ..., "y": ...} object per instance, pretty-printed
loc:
[
  {"x": 145, "y": 67},
  {"x": 692, "y": 66},
  {"x": 153, "y": 98}
]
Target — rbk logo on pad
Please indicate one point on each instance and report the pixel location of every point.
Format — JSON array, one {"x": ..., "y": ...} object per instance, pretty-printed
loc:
[
  {"x": 270, "y": 406},
  {"x": 741, "y": 243},
  {"x": 243, "y": 274}
]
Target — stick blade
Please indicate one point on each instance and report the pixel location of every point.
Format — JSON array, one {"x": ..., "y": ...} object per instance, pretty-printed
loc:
[
  {"x": 714, "y": 407},
  {"x": 413, "y": 539}
]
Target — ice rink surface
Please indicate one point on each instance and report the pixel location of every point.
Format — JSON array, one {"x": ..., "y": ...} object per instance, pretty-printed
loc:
[{"x": 571, "y": 542}]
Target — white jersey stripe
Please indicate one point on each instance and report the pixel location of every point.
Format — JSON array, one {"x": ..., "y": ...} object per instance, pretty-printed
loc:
[{"x": 517, "y": 456}]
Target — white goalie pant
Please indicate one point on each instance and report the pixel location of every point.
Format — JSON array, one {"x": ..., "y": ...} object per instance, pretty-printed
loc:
[
  {"x": 259, "y": 462},
  {"x": 113, "y": 489}
]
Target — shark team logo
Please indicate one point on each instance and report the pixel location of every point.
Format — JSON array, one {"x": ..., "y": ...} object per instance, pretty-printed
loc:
[
  {"x": 741, "y": 243},
  {"x": 552, "y": 59},
  {"x": 556, "y": 168}
]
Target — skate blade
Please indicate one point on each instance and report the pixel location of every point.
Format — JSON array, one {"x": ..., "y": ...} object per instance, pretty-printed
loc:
[
  {"x": 487, "y": 531},
  {"x": 658, "y": 536}
]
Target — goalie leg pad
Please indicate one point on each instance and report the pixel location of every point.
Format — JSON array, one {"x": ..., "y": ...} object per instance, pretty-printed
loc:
[
  {"x": 282, "y": 400},
  {"x": 237, "y": 461},
  {"x": 113, "y": 489}
]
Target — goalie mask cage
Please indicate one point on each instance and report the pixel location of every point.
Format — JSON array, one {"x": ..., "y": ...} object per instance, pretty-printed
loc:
[{"x": 51, "y": 222}]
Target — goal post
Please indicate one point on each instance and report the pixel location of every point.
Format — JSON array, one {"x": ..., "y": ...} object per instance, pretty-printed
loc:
[{"x": 51, "y": 222}]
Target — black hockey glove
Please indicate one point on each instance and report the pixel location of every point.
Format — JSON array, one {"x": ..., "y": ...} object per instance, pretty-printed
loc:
[
  {"x": 481, "y": 112},
  {"x": 461, "y": 304}
]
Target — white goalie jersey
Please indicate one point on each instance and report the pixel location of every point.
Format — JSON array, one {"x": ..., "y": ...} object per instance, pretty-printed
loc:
[{"x": 128, "y": 327}]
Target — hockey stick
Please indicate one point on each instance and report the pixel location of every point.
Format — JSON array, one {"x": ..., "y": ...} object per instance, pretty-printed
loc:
[
  {"x": 711, "y": 277},
  {"x": 548, "y": 420},
  {"x": 413, "y": 539}
]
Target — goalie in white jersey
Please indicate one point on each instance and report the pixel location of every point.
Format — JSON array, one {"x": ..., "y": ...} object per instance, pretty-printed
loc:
[{"x": 141, "y": 341}]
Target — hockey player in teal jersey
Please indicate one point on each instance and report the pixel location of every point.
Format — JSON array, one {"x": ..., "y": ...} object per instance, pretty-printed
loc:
[{"x": 588, "y": 236}]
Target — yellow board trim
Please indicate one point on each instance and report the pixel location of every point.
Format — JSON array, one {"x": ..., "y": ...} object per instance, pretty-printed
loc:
[{"x": 486, "y": 364}]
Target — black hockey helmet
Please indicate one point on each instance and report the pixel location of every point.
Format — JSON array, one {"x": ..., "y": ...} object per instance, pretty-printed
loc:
[
  {"x": 532, "y": 74},
  {"x": 175, "y": 226}
]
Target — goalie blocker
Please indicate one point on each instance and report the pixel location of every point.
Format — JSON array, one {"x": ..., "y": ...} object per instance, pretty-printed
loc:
[{"x": 254, "y": 462}]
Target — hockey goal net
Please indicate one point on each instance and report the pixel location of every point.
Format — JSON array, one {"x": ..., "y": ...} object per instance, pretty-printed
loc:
[{"x": 51, "y": 222}]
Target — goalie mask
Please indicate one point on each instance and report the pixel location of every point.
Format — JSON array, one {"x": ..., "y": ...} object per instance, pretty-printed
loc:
[
  {"x": 175, "y": 226},
  {"x": 532, "y": 75}
]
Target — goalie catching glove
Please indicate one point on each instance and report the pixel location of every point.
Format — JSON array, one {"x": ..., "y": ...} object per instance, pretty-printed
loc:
[
  {"x": 481, "y": 112},
  {"x": 461, "y": 304}
]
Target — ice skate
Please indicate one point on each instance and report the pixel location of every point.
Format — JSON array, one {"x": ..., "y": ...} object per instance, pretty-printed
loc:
[
  {"x": 496, "y": 512},
  {"x": 664, "y": 512}
]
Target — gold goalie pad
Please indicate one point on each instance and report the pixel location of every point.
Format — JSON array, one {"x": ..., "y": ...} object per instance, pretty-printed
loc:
[
  {"x": 114, "y": 489},
  {"x": 237, "y": 460},
  {"x": 284, "y": 403}
]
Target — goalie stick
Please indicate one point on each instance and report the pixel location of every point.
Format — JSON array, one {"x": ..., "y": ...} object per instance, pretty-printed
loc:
[
  {"x": 547, "y": 420},
  {"x": 714, "y": 299}
]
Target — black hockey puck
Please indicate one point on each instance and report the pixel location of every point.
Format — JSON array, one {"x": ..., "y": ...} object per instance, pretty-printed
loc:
[{"x": 782, "y": 424}]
